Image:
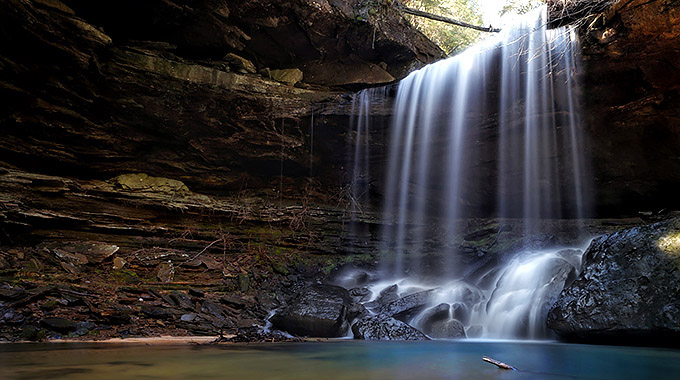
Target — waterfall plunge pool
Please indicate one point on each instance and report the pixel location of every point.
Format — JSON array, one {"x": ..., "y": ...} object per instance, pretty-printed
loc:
[{"x": 440, "y": 359}]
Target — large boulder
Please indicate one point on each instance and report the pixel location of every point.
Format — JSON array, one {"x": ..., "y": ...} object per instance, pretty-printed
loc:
[
  {"x": 628, "y": 291},
  {"x": 407, "y": 307},
  {"x": 319, "y": 311},
  {"x": 384, "y": 327}
]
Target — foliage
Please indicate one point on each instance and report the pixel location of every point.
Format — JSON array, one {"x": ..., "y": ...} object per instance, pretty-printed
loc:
[
  {"x": 450, "y": 38},
  {"x": 520, "y": 6}
]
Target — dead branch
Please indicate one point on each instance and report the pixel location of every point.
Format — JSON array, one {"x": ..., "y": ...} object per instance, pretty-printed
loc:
[
  {"x": 447, "y": 20},
  {"x": 498, "y": 364}
]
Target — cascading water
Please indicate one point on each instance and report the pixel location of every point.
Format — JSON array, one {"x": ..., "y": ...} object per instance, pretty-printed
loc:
[{"x": 519, "y": 90}]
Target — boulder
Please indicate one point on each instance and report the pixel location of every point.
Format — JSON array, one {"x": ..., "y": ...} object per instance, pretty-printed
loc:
[
  {"x": 383, "y": 327},
  {"x": 287, "y": 76},
  {"x": 319, "y": 311},
  {"x": 436, "y": 322},
  {"x": 628, "y": 290},
  {"x": 406, "y": 307},
  {"x": 448, "y": 329}
]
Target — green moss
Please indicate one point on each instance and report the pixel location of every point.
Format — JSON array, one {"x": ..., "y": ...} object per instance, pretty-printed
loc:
[{"x": 126, "y": 276}]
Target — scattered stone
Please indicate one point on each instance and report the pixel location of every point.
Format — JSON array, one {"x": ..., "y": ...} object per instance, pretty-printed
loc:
[
  {"x": 59, "y": 325},
  {"x": 49, "y": 305},
  {"x": 196, "y": 293},
  {"x": 118, "y": 263},
  {"x": 12, "y": 294},
  {"x": 81, "y": 253},
  {"x": 243, "y": 282},
  {"x": 383, "y": 327},
  {"x": 190, "y": 317},
  {"x": 239, "y": 64},
  {"x": 160, "y": 312},
  {"x": 287, "y": 76},
  {"x": 10, "y": 316},
  {"x": 181, "y": 300},
  {"x": 232, "y": 301},
  {"x": 166, "y": 272}
]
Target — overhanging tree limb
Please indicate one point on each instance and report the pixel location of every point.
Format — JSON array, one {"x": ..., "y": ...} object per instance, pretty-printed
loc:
[{"x": 447, "y": 20}]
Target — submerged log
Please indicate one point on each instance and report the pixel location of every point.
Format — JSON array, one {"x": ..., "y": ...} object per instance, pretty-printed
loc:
[{"x": 498, "y": 364}]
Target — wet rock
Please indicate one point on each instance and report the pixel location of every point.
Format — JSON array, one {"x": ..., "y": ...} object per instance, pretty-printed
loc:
[
  {"x": 627, "y": 291},
  {"x": 475, "y": 331},
  {"x": 360, "y": 294},
  {"x": 534, "y": 243},
  {"x": 319, "y": 311},
  {"x": 59, "y": 325},
  {"x": 190, "y": 317},
  {"x": 383, "y": 327},
  {"x": 461, "y": 312},
  {"x": 438, "y": 313},
  {"x": 449, "y": 329},
  {"x": 389, "y": 294},
  {"x": 407, "y": 307}
]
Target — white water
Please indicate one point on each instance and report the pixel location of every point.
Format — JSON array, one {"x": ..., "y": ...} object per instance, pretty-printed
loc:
[{"x": 522, "y": 87}]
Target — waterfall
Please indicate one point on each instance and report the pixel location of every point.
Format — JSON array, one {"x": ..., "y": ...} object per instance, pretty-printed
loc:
[{"x": 519, "y": 90}]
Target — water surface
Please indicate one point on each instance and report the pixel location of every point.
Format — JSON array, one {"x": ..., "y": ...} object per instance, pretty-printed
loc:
[{"x": 337, "y": 360}]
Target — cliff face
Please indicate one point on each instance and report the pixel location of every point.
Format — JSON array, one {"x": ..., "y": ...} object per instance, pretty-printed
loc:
[
  {"x": 158, "y": 144},
  {"x": 167, "y": 143},
  {"x": 633, "y": 104}
]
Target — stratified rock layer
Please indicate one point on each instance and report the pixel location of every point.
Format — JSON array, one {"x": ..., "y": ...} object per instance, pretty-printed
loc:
[{"x": 628, "y": 291}]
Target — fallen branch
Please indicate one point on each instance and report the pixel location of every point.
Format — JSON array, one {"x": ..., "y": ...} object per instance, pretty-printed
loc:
[
  {"x": 447, "y": 20},
  {"x": 498, "y": 364}
]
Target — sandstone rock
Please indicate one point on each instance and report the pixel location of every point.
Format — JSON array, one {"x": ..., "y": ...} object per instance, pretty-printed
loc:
[
  {"x": 287, "y": 76},
  {"x": 319, "y": 311},
  {"x": 383, "y": 327},
  {"x": 240, "y": 64},
  {"x": 627, "y": 291}
]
